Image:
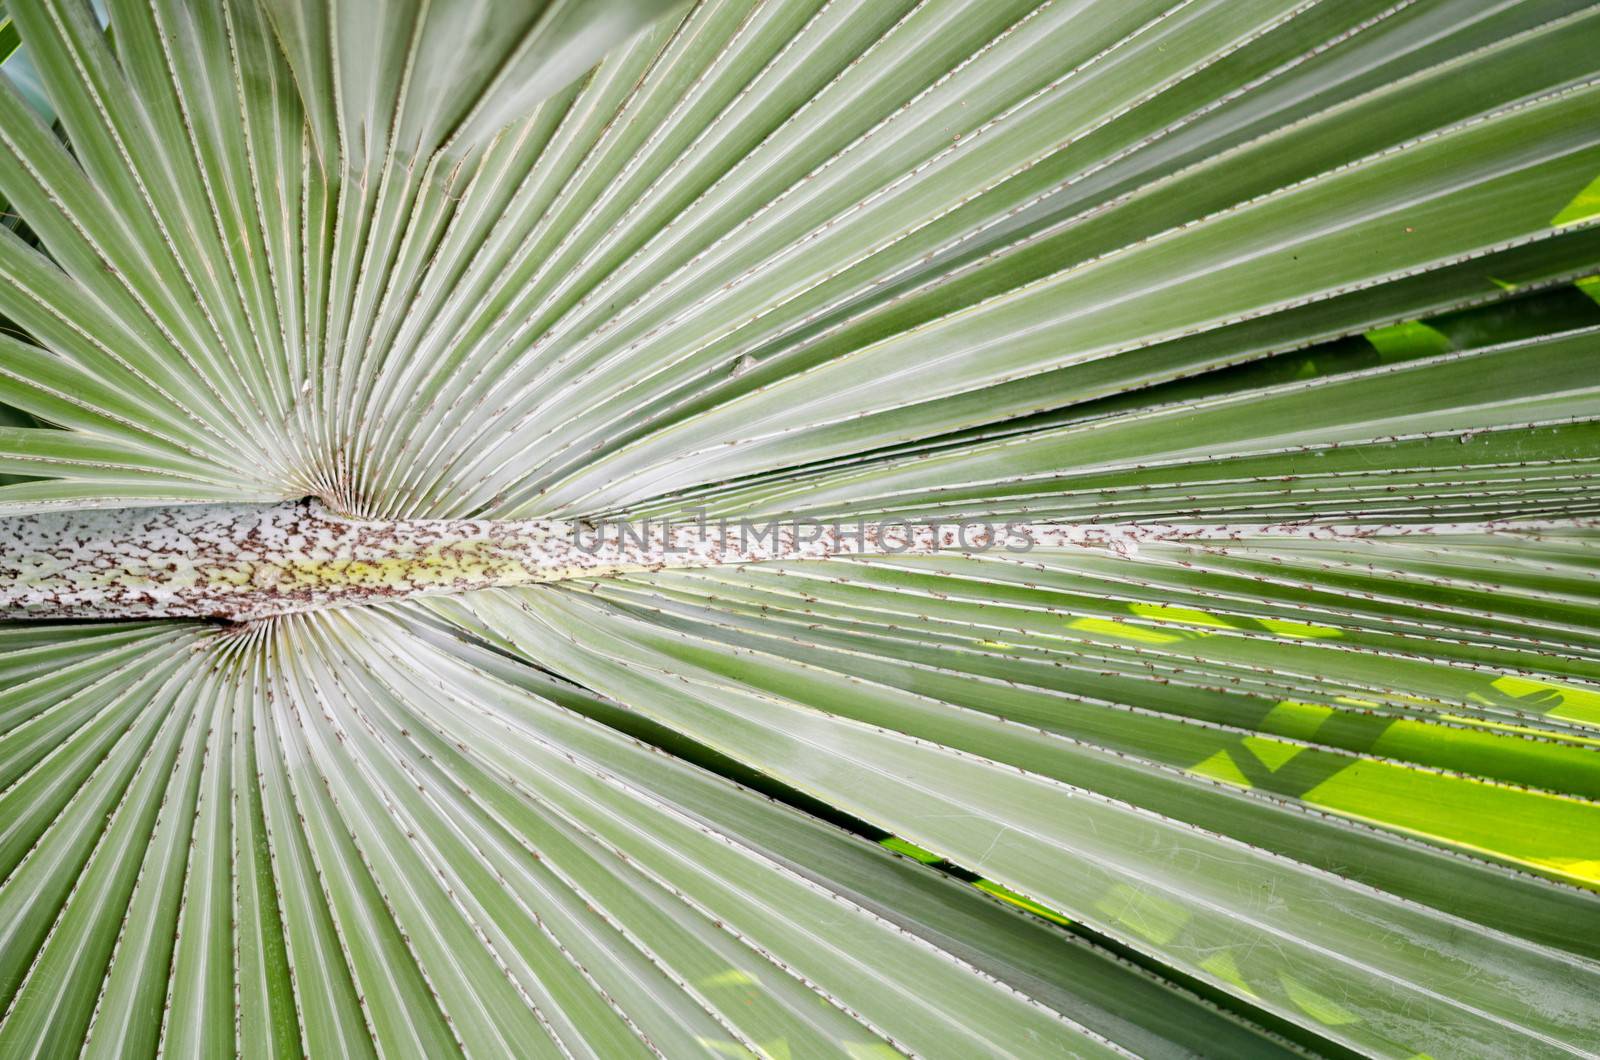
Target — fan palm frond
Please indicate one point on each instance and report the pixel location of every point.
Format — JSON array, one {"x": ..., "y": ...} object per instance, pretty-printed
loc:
[{"x": 1269, "y": 327}]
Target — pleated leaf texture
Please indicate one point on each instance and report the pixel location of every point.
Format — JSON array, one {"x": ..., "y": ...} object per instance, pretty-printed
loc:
[{"x": 1202, "y": 262}]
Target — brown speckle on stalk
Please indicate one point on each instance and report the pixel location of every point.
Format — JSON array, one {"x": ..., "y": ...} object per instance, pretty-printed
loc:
[{"x": 240, "y": 563}]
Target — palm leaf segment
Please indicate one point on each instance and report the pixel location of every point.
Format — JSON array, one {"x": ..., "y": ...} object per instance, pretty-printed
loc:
[{"x": 1207, "y": 263}]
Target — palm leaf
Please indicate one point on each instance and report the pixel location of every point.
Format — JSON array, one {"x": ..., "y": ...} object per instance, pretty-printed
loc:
[{"x": 1290, "y": 302}]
